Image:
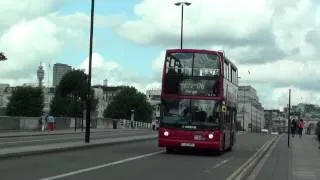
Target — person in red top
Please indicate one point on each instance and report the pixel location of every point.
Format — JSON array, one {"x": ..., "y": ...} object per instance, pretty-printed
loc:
[{"x": 300, "y": 126}]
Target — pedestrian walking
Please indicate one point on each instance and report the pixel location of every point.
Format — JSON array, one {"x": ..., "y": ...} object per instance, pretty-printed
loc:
[
  {"x": 51, "y": 123},
  {"x": 43, "y": 122},
  {"x": 153, "y": 125},
  {"x": 300, "y": 126}
]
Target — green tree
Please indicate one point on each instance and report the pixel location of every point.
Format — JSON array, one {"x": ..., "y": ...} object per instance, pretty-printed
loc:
[
  {"x": 2, "y": 57},
  {"x": 71, "y": 95},
  {"x": 26, "y": 101},
  {"x": 127, "y": 99}
]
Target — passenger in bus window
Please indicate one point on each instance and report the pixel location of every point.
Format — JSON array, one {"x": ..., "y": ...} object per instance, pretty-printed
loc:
[{"x": 172, "y": 81}]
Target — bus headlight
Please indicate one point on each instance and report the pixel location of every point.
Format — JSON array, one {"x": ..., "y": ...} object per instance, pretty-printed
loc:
[
  {"x": 166, "y": 133},
  {"x": 210, "y": 136}
]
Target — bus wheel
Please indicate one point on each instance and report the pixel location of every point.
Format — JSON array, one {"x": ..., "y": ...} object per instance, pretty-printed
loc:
[
  {"x": 230, "y": 145},
  {"x": 169, "y": 150},
  {"x": 229, "y": 148},
  {"x": 222, "y": 149}
]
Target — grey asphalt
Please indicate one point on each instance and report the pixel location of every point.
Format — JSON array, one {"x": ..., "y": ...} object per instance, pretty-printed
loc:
[
  {"x": 187, "y": 166},
  {"x": 11, "y": 142},
  {"x": 278, "y": 165}
]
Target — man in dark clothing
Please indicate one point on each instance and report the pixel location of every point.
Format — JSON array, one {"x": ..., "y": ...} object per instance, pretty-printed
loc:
[{"x": 293, "y": 127}]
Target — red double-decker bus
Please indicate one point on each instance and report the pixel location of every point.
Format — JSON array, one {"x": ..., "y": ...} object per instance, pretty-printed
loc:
[{"x": 198, "y": 101}]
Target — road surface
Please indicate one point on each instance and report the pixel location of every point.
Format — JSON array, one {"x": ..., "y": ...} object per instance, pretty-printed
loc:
[{"x": 138, "y": 160}]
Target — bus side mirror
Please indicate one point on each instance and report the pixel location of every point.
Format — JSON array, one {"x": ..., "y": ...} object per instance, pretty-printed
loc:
[{"x": 223, "y": 108}]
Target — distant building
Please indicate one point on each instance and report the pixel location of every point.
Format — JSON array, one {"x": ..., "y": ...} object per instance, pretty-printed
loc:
[
  {"x": 105, "y": 82},
  {"x": 276, "y": 120},
  {"x": 6, "y": 92},
  {"x": 59, "y": 70},
  {"x": 153, "y": 96},
  {"x": 48, "y": 97},
  {"x": 3, "y": 98},
  {"x": 30, "y": 85},
  {"x": 250, "y": 111},
  {"x": 105, "y": 95},
  {"x": 40, "y": 75}
]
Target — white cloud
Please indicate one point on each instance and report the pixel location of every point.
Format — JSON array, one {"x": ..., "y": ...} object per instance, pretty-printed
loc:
[
  {"x": 13, "y": 11},
  {"x": 157, "y": 65},
  {"x": 160, "y": 20},
  {"x": 283, "y": 73},
  {"x": 32, "y": 32},
  {"x": 272, "y": 80},
  {"x": 281, "y": 96},
  {"x": 101, "y": 69},
  {"x": 277, "y": 41},
  {"x": 115, "y": 74},
  {"x": 30, "y": 42}
]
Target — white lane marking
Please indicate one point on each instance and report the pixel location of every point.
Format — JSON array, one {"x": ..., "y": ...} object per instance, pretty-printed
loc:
[
  {"x": 254, "y": 174},
  {"x": 65, "y": 138},
  {"x": 101, "y": 166},
  {"x": 235, "y": 175},
  {"x": 222, "y": 163},
  {"x": 219, "y": 164}
]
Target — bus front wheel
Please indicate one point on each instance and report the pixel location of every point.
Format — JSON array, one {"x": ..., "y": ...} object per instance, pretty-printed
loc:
[
  {"x": 222, "y": 146},
  {"x": 169, "y": 150},
  {"x": 231, "y": 144}
]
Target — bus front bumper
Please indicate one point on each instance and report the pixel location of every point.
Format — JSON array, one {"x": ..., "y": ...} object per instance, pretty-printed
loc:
[{"x": 177, "y": 143}]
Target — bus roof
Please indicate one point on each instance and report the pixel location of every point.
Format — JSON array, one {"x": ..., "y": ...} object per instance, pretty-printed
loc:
[{"x": 202, "y": 51}]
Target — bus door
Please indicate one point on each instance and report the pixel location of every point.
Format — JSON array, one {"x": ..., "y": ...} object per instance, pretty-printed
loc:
[
  {"x": 228, "y": 126},
  {"x": 225, "y": 124}
]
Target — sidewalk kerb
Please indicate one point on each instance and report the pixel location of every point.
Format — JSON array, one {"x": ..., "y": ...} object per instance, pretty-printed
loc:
[
  {"x": 75, "y": 147},
  {"x": 46, "y": 134},
  {"x": 55, "y": 133}
]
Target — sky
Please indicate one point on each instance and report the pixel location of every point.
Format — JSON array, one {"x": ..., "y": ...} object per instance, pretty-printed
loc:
[{"x": 277, "y": 41}]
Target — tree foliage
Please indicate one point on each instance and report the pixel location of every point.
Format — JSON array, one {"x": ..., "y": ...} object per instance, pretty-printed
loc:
[
  {"x": 71, "y": 95},
  {"x": 2, "y": 57},
  {"x": 26, "y": 101},
  {"x": 126, "y": 100}
]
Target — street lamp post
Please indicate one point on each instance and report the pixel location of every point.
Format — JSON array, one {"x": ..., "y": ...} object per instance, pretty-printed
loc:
[
  {"x": 244, "y": 109},
  {"x": 251, "y": 115},
  {"x": 182, "y": 4},
  {"x": 88, "y": 120},
  {"x": 289, "y": 121}
]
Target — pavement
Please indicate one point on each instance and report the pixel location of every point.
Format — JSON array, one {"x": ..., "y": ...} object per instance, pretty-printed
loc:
[
  {"x": 30, "y": 145},
  {"x": 18, "y": 133},
  {"x": 22, "y": 141},
  {"x": 300, "y": 161},
  {"x": 137, "y": 160}
]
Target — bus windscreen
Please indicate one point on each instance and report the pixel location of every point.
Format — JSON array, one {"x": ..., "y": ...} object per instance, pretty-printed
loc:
[{"x": 190, "y": 112}]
